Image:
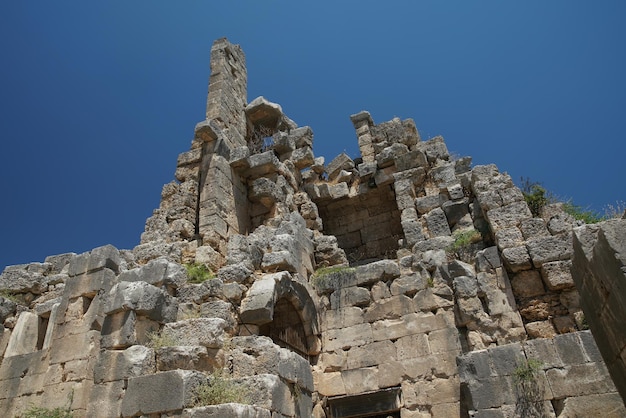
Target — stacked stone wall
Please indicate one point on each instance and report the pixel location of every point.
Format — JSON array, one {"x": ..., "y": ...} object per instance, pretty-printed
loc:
[{"x": 402, "y": 282}]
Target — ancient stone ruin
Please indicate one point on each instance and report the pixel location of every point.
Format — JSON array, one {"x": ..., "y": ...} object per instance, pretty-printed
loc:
[{"x": 402, "y": 283}]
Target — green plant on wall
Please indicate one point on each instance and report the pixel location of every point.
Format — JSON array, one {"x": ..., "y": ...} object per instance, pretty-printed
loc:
[
  {"x": 43, "y": 412},
  {"x": 158, "y": 340},
  {"x": 535, "y": 195},
  {"x": 198, "y": 273},
  {"x": 461, "y": 248},
  {"x": 220, "y": 390},
  {"x": 528, "y": 389}
]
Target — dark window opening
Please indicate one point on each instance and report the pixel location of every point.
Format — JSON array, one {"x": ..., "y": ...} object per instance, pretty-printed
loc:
[
  {"x": 41, "y": 331},
  {"x": 382, "y": 404},
  {"x": 367, "y": 226},
  {"x": 287, "y": 329}
]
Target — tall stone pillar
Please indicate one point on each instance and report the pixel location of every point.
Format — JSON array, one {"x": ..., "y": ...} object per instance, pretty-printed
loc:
[{"x": 228, "y": 91}]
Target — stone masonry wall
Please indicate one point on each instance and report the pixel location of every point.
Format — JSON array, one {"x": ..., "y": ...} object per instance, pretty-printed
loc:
[{"x": 402, "y": 282}]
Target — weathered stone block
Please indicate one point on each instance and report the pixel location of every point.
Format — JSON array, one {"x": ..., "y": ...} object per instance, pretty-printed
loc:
[
  {"x": 160, "y": 392},
  {"x": 556, "y": 274},
  {"x": 345, "y": 338},
  {"x": 370, "y": 354},
  {"x": 207, "y": 332},
  {"x": 24, "y": 336},
  {"x": 412, "y": 346},
  {"x": 579, "y": 380},
  {"x": 442, "y": 340},
  {"x": 527, "y": 283},
  {"x": 114, "y": 365},
  {"x": 393, "y": 307},
  {"x": 226, "y": 410},
  {"x": 350, "y": 296},
  {"x": 379, "y": 270},
  {"x": 517, "y": 258},
  {"x": 437, "y": 223},
  {"x": 144, "y": 299},
  {"x": 360, "y": 380},
  {"x": 546, "y": 249}
]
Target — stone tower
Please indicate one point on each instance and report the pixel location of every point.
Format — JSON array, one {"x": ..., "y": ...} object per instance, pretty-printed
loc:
[{"x": 399, "y": 283}]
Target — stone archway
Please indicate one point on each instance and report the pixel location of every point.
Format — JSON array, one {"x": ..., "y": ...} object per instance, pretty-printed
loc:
[{"x": 283, "y": 310}]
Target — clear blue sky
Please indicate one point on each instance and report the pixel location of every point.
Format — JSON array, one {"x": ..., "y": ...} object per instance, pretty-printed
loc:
[{"x": 98, "y": 98}]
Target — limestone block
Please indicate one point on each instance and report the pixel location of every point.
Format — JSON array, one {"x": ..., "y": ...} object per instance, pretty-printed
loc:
[
  {"x": 207, "y": 332},
  {"x": 437, "y": 223},
  {"x": 269, "y": 392},
  {"x": 226, "y": 410},
  {"x": 330, "y": 384},
  {"x": 527, "y": 283},
  {"x": 388, "y": 155},
  {"x": 89, "y": 284},
  {"x": 443, "y": 175},
  {"x": 459, "y": 268},
  {"x": 474, "y": 365},
  {"x": 489, "y": 259},
  {"x": 144, "y": 299},
  {"x": 509, "y": 237},
  {"x": 262, "y": 164},
  {"x": 379, "y": 270},
  {"x": 455, "y": 211},
  {"x": 508, "y": 216},
  {"x": 556, "y": 274},
  {"x": 343, "y": 317},
  {"x": 412, "y": 346},
  {"x": 385, "y": 176},
  {"x": 357, "y": 381},
  {"x": 465, "y": 287},
  {"x": 134, "y": 361},
  {"x": 24, "y": 336},
  {"x": 340, "y": 162},
  {"x": 533, "y": 228},
  {"x": 427, "y": 300},
  {"x": 407, "y": 285},
  {"x": 380, "y": 291},
  {"x": 543, "y": 349},
  {"x": 303, "y": 157},
  {"x": 118, "y": 330},
  {"x": 159, "y": 272},
  {"x": 58, "y": 395},
  {"x": 350, "y": 296},
  {"x": 540, "y": 329},
  {"x": 282, "y": 260},
  {"x": 580, "y": 380},
  {"x": 105, "y": 399},
  {"x": 600, "y": 405},
  {"x": 370, "y": 354},
  {"x": 517, "y": 258},
  {"x": 434, "y": 149},
  {"x": 188, "y": 358},
  {"x": 347, "y": 337},
  {"x": 435, "y": 392},
  {"x": 392, "y": 307},
  {"x": 160, "y": 392},
  {"x": 7, "y": 308},
  {"x": 444, "y": 410},
  {"x": 220, "y": 309},
  {"x": 413, "y": 232},
  {"x": 106, "y": 256},
  {"x": 258, "y": 305},
  {"x": 427, "y": 203},
  {"x": 411, "y": 159},
  {"x": 234, "y": 273},
  {"x": 442, "y": 340},
  {"x": 546, "y": 249}
]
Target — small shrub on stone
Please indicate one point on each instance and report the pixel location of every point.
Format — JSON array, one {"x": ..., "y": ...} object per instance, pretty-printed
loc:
[
  {"x": 461, "y": 248},
  {"x": 158, "y": 340},
  {"x": 535, "y": 195},
  {"x": 581, "y": 214},
  {"x": 59, "y": 412},
  {"x": 8, "y": 295},
  {"x": 220, "y": 390},
  {"x": 529, "y": 392},
  {"x": 198, "y": 273}
]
